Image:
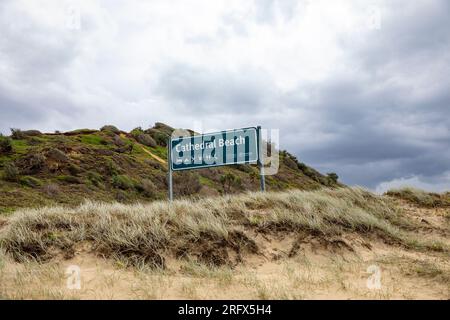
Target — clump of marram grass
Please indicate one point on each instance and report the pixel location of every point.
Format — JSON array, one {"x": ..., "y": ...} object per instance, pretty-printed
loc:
[
  {"x": 420, "y": 197},
  {"x": 206, "y": 230}
]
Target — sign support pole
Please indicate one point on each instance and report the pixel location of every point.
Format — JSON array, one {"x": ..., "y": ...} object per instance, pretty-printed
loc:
[
  {"x": 169, "y": 164},
  {"x": 261, "y": 160}
]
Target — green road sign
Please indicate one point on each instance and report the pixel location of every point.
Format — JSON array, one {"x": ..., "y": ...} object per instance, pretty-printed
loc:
[{"x": 214, "y": 149}]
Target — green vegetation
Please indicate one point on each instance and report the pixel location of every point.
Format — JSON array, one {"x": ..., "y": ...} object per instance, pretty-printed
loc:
[
  {"x": 107, "y": 165},
  {"x": 333, "y": 177},
  {"x": 30, "y": 182},
  {"x": 122, "y": 182},
  {"x": 93, "y": 139},
  {"x": 5, "y": 145},
  {"x": 229, "y": 180},
  {"x": 69, "y": 179},
  {"x": 11, "y": 173},
  {"x": 110, "y": 129},
  {"x": 17, "y": 134},
  {"x": 20, "y": 146},
  {"x": 95, "y": 178}
]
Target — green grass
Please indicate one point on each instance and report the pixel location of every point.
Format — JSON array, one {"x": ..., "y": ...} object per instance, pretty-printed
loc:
[
  {"x": 160, "y": 151},
  {"x": 20, "y": 146},
  {"x": 69, "y": 179},
  {"x": 93, "y": 139},
  {"x": 5, "y": 211},
  {"x": 31, "y": 182},
  {"x": 207, "y": 182}
]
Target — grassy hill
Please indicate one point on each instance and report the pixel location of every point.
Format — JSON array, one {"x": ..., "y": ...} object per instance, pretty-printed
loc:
[{"x": 39, "y": 169}]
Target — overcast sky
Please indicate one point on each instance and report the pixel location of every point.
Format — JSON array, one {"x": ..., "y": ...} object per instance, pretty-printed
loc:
[{"x": 361, "y": 88}]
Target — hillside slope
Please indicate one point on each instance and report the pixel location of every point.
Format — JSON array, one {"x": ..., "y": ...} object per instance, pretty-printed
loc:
[{"x": 111, "y": 165}]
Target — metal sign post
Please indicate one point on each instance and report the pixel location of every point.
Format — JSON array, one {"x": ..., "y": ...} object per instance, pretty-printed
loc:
[
  {"x": 261, "y": 161},
  {"x": 169, "y": 164}
]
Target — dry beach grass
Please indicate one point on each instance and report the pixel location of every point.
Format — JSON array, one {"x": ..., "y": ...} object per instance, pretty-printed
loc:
[{"x": 282, "y": 245}]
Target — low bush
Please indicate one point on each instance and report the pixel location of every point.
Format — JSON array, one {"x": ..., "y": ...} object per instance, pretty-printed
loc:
[
  {"x": 118, "y": 141},
  {"x": 147, "y": 188},
  {"x": 159, "y": 137},
  {"x": 186, "y": 183},
  {"x": 95, "y": 178},
  {"x": 69, "y": 179},
  {"x": 74, "y": 169},
  {"x": 230, "y": 181},
  {"x": 110, "y": 128},
  {"x": 17, "y": 134},
  {"x": 32, "y": 133},
  {"x": 122, "y": 182},
  {"x": 111, "y": 168},
  {"x": 33, "y": 163},
  {"x": 333, "y": 177},
  {"x": 57, "y": 155},
  {"x": 146, "y": 140},
  {"x": 5, "y": 145},
  {"x": 51, "y": 189},
  {"x": 11, "y": 172},
  {"x": 31, "y": 182}
]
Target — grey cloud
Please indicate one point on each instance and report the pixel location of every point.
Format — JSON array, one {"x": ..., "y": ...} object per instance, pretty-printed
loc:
[{"x": 204, "y": 91}]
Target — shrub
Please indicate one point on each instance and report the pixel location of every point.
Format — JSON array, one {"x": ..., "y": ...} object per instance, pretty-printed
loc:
[
  {"x": 57, "y": 155},
  {"x": 154, "y": 164},
  {"x": 245, "y": 168},
  {"x": 254, "y": 175},
  {"x": 95, "y": 178},
  {"x": 186, "y": 183},
  {"x": 36, "y": 162},
  {"x": 5, "y": 144},
  {"x": 125, "y": 149},
  {"x": 118, "y": 141},
  {"x": 122, "y": 182},
  {"x": 69, "y": 179},
  {"x": 159, "y": 137},
  {"x": 11, "y": 172},
  {"x": 146, "y": 140},
  {"x": 110, "y": 128},
  {"x": 32, "y": 133},
  {"x": 163, "y": 128},
  {"x": 33, "y": 141},
  {"x": 229, "y": 181},
  {"x": 333, "y": 177},
  {"x": 17, "y": 134},
  {"x": 51, "y": 189},
  {"x": 147, "y": 188},
  {"x": 302, "y": 166},
  {"x": 121, "y": 196},
  {"x": 30, "y": 182},
  {"x": 290, "y": 162},
  {"x": 136, "y": 131},
  {"x": 111, "y": 168},
  {"x": 74, "y": 169}
]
